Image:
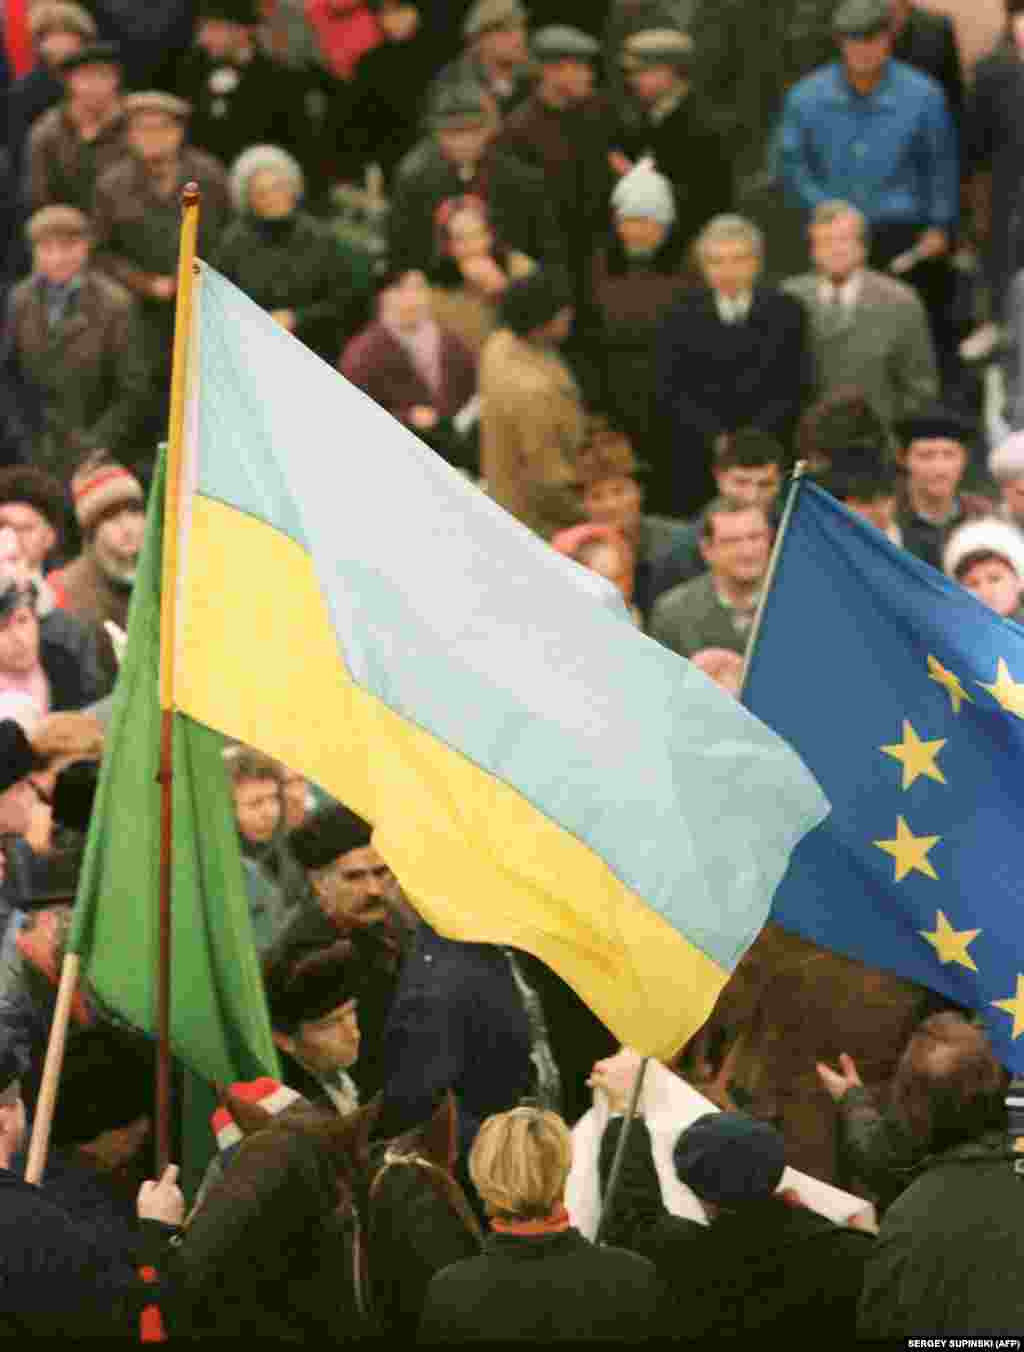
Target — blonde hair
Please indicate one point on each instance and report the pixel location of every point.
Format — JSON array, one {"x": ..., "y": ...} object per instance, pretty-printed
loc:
[{"x": 520, "y": 1161}]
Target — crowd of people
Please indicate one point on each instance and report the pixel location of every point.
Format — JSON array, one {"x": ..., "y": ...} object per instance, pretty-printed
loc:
[{"x": 522, "y": 231}]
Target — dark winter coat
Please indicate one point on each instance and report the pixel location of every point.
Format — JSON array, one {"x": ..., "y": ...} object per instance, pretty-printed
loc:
[
  {"x": 714, "y": 377},
  {"x": 26, "y": 101},
  {"x": 928, "y": 43},
  {"x": 765, "y": 1268},
  {"x": 545, "y": 1289},
  {"x": 92, "y": 598},
  {"x": 948, "y": 1256},
  {"x": 994, "y": 141},
  {"x": 81, "y": 384},
  {"x": 62, "y": 168},
  {"x": 382, "y": 117},
  {"x": 519, "y": 207},
  {"x": 457, "y": 1022}
]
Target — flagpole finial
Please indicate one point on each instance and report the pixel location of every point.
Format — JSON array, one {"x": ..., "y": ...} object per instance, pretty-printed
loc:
[
  {"x": 799, "y": 469},
  {"x": 190, "y": 195}
]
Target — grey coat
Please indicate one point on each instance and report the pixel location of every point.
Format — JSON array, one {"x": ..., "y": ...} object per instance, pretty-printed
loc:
[
  {"x": 691, "y": 617},
  {"x": 881, "y": 344}
]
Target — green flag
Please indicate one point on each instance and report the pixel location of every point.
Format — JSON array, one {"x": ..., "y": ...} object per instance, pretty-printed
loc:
[{"x": 219, "y": 1023}]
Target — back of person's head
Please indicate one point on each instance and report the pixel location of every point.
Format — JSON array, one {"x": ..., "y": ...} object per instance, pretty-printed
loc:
[
  {"x": 843, "y": 417},
  {"x": 747, "y": 448},
  {"x": 728, "y": 1159},
  {"x": 520, "y": 1162},
  {"x": 244, "y": 763},
  {"x": 949, "y": 1087},
  {"x": 868, "y": 482}
]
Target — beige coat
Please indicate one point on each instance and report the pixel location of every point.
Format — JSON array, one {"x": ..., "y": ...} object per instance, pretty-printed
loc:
[{"x": 531, "y": 427}]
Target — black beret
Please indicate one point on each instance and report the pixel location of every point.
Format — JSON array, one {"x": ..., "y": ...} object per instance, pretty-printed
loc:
[{"x": 330, "y": 832}]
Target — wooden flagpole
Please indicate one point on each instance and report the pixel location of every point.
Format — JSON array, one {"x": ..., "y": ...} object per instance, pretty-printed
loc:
[
  {"x": 40, "y": 1142},
  {"x": 799, "y": 471},
  {"x": 190, "y": 200}
]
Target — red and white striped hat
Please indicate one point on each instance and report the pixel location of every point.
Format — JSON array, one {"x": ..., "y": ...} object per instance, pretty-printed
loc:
[
  {"x": 100, "y": 486},
  {"x": 270, "y": 1095}
]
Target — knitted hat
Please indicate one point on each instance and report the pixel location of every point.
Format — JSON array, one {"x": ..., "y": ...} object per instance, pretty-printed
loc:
[
  {"x": 106, "y": 1081},
  {"x": 986, "y": 536},
  {"x": 154, "y": 101},
  {"x": 93, "y": 54},
  {"x": 59, "y": 17},
  {"x": 657, "y": 47},
  {"x": 306, "y": 987},
  {"x": 100, "y": 487},
  {"x": 533, "y": 300},
  {"x": 937, "y": 421},
  {"x": 270, "y": 1095},
  {"x": 645, "y": 194},
  {"x": 729, "y": 1158},
  {"x": 560, "y": 42},
  {"x": 34, "y": 487},
  {"x": 257, "y": 160},
  {"x": 57, "y": 220},
  {"x": 327, "y": 834},
  {"x": 487, "y": 14},
  {"x": 1007, "y": 460}
]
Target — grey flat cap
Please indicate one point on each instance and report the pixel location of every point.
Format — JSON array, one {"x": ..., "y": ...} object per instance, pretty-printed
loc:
[
  {"x": 657, "y": 47},
  {"x": 458, "y": 103},
  {"x": 487, "y": 14},
  {"x": 862, "y": 18},
  {"x": 559, "y": 42}
]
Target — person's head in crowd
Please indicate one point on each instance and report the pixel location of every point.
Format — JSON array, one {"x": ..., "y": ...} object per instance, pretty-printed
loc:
[
  {"x": 61, "y": 242},
  {"x": 730, "y": 251},
  {"x": 948, "y": 1088},
  {"x": 463, "y": 119},
  {"x": 398, "y": 20},
  {"x": 564, "y": 58},
  {"x": 110, "y": 509},
  {"x": 869, "y": 489},
  {"x": 32, "y": 505},
  {"x": 467, "y": 232},
  {"x": 495, "y": 31},
  {"x": 538, "y": 309},
  {"x": 839, "y": 240},
  {"x": 933, "y": 453},
  {"x": 257, "y": 789},
  {"x": 12, "y": 1109},
  {"x": 403, "y": 299},
  {"x": 602, "y": 549},
  {"x": 350, "y": 881},
  {"x": 104, "y": 1107},
  {"x": 226, "y": 29},
  {"x": 19, "y": 633},
  {"x": 657, "y": 63},
  {"x": 987, "y": 558},
  {"x": 92, "y": 76},
  {"x": 267, "y": 183},
  {"x": 157, "y": 124},
  {"x": 296, "y": 799},
  {"x": 1015, "y": 23},
  {"x": 33, "y": 758},
  {"x": 313, "y": 1006},
  {"x": 723, "y": 666},
  {"x": 735, "y": 541},
  {"x": 843, "y": 417},
  {"x": 747, "y": 466},
  {"x": 730, "y": 1160},
  {"x": 1006, "y": 465},
  {"x": 644, "y": 210},
  {"x": 520, "y": 1164},
  {"x": 58, "y": 30},
  {"x": 612, "y": 492},
  {"x": 864, "y": 32}
]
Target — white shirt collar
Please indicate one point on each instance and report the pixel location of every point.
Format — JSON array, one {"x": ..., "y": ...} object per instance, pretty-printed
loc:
[
  {"x": 849, "y": 291},
  {"x": 733, "y": 308}
]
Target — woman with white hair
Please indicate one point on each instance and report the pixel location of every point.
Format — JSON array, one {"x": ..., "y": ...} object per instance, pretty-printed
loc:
[{"x": 287, "y": 261}]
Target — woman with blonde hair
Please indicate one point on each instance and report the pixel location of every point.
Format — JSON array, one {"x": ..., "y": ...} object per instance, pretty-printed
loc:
[{"x": 538, "y": 1279}]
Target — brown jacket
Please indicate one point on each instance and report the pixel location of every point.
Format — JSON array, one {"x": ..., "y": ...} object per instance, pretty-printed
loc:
[
  {"x": 531, "y": 427},
  {"x": 85, "y": 382},
  {"x": 62, "y": 168},
  {"x": 376, "y": 361},
  {"x": 92, "y": 598}
]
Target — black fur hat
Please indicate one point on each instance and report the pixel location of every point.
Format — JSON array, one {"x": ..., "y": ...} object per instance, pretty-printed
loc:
[
  {"x": 308, "y": 987},
  {"x": 329, "y": 833}
]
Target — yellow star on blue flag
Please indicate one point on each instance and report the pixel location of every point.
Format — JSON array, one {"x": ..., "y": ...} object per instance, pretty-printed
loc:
[{"x": 915, "y": 871}]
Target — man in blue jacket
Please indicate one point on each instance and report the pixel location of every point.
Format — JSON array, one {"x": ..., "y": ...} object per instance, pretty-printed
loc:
[{"x": 874, "y": 132}]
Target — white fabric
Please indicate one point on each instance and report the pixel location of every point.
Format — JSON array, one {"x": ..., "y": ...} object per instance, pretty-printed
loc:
[
  {"x": 669, "y": 1105},
  {"x": 849, "y": 291},
  {"x": 733, "y": 309}
]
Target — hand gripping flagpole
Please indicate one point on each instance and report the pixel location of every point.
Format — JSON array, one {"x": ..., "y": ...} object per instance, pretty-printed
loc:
[
  {"x": 620, "y": 1151},
  {"x": 799, "y": 470},
  {"x": 190, "y": 201}
]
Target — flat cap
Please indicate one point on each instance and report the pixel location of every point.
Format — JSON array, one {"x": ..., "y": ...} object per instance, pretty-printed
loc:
[
  {"x": 657, "y": 47},
  {"x": 58, "y": 16},
  {"x": 862, "y": 18},
  {"x": 560, "y": 42},
  {"x": 934, "y": 423},
  {"x": 487, "y": 14},
  {"x": 57, "y": 220},
  {"x": 458, "y": 103},
  {"x": 156, "y": 101},
  {"x": 92, "y": 54}
]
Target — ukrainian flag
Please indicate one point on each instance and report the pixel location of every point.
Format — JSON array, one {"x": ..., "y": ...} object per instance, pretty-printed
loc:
[{"x": 538, "y": 773}]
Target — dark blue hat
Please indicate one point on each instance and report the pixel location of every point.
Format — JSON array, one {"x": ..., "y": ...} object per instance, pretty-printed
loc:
[{"x": 729, "y": 1158}]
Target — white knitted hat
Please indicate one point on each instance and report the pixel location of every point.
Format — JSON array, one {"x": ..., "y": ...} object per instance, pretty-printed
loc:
[
  {"x": 645, "y": 193},
  {"x": 989, "y": 534}
]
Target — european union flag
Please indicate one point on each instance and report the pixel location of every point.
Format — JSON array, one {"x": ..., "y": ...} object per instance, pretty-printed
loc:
[{"x": 905, "y": 698}]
